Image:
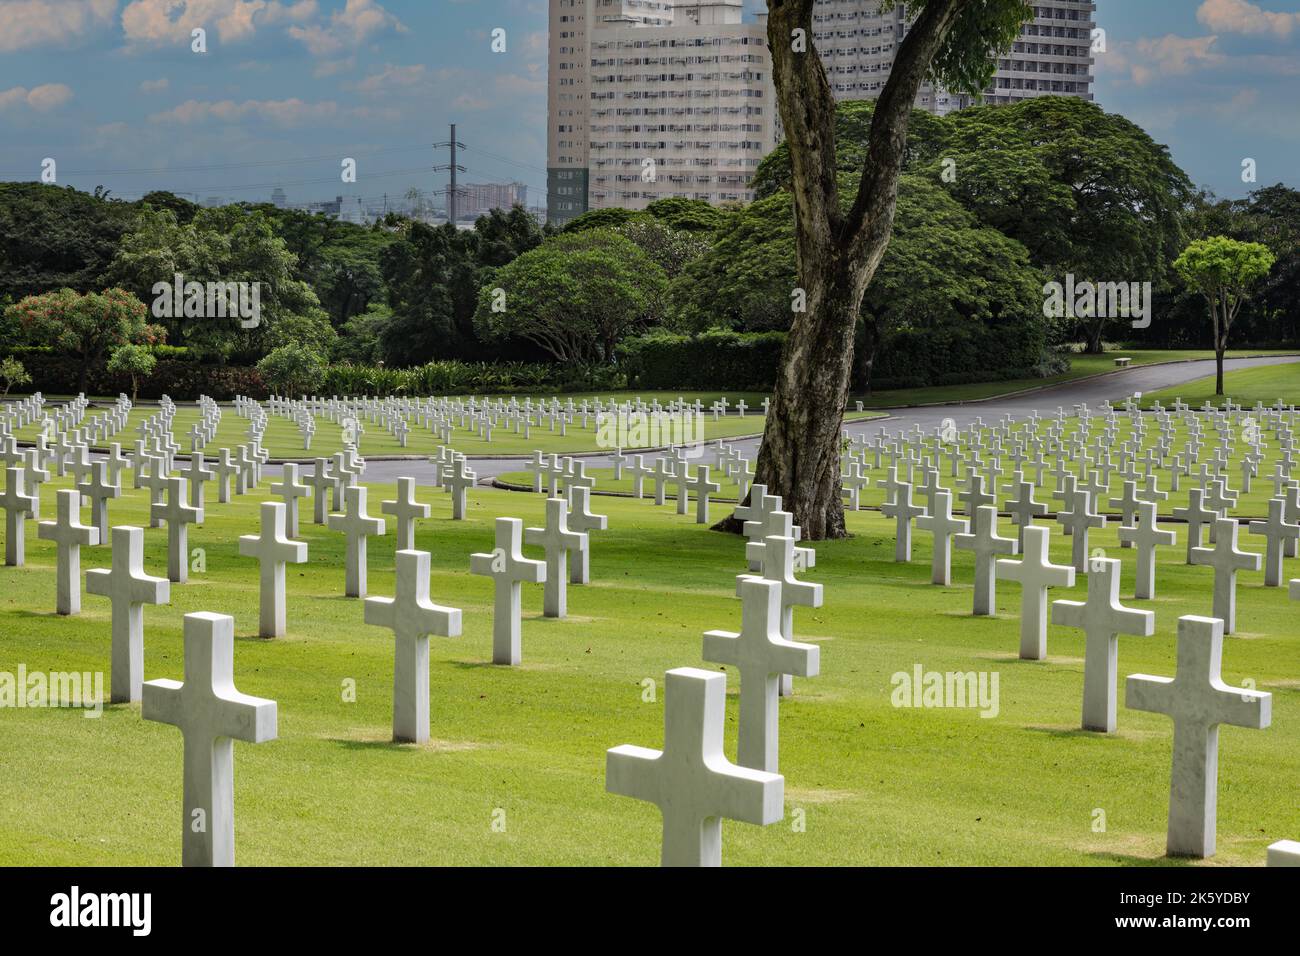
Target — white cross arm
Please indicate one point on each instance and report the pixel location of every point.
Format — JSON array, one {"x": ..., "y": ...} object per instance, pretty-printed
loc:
[
  {"x": 801, "y": 593},
  {"x": 422, "y": 618},
  {"x": 230, "y": 713},
  {"x": 782, "y": 656}
]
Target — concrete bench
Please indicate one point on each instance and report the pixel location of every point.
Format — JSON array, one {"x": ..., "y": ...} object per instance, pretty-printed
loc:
[{"x": 1123, "y": 362}]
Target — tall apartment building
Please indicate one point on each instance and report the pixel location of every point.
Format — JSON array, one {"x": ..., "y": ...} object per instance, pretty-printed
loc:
[{"x": 656, "y": 98}]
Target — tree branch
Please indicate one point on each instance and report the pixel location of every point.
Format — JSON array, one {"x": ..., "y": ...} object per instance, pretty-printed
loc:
[{"x": 872, "y": 217}]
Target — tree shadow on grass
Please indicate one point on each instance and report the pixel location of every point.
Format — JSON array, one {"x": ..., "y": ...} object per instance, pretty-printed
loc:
[
  {"x": 1128, "y": 859},
  {"x": 1068, "y": 732},
  {"x": 380, "y": 741}
]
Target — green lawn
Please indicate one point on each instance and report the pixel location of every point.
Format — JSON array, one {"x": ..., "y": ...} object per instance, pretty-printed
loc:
[
  {"x": 1081, "y": 366},
  {"x": 283, "y": 440},
  {"x": 875, "y": 784},
  {"x": 1245, "y": 386}
]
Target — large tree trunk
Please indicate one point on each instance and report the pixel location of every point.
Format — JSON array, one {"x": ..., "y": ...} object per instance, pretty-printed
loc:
[
  {"x": 837, "y": 253},
  {"x": 1095, "y": 333},
  {"x": 800, "y": 455}
]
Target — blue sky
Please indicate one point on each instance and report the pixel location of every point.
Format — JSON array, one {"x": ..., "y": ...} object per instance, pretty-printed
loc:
[{"x": 111, "y": 90}]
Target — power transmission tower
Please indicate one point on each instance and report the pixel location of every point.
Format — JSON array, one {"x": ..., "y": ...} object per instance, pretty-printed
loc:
[{"x": 452, "y": 189}]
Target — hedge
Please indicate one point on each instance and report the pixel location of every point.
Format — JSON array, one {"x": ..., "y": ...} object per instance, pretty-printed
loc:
[
  {"x": 182, "y": 380},
  {"x": 186, "y": 381},
  {"x": 737, "y": 361},
  {"x": 466, "y": 378},
  {"x": 731, "y": 361},
  {"x": 959, "y": 354}
]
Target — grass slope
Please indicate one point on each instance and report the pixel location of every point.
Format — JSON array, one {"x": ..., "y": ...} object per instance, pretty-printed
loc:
[
  {"x": 876, "y": 784},
  {"x": 1081, "y": 366},
  {"x": 1245, "y": 386}
]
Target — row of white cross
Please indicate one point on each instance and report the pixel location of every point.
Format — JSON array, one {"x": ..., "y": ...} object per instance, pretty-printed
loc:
[{"x": 1196, "y": 698}]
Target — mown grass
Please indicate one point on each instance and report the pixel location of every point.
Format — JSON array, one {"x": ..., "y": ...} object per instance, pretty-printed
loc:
[
  {"x": 1246, "y": 386},
  {"x": 874, "y": 784}
]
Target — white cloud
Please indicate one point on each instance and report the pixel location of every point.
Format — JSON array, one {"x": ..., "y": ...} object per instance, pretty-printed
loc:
[
  {"x": 31, "y": 23},
  {"x": 1150, "y": 59},
  {"x": 170, "y": 21},
  {"x": 1240, "y": 16},
  {"x": 392, "y": 77},
  {"x": 290, "y": 112},
  {"x": 44, "y": 98},
  {"x": 333, "y": 67},
  {"x": 349, "y": 27},
  {"x": 154, "y": 86}
]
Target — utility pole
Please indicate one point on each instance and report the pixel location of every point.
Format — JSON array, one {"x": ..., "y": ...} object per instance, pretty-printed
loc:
[{"x": 452, "y": 189}]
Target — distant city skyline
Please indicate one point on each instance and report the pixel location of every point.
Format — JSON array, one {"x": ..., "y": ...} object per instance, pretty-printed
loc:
[{"x": 287, "y": 89}]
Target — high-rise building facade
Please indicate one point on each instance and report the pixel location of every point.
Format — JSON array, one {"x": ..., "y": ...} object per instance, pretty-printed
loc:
[{"x": 656, "y": 98}]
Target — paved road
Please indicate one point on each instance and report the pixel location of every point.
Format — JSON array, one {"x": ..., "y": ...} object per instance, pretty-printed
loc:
[{"x": 1114, "y": 386}]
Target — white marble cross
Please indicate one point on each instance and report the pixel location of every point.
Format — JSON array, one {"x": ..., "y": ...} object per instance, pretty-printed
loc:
[
  {"x": 1146, "y": 534},
  {"x": 358, "y": 526},
  {"x": 943, "y": 526},
  {"x": 1284, "y": 853},
  {"x": 1198, "y": 701},
  {"x": 179, "y": 516},
  {"x": 1227, "y": 560},
  {"x": 1102, "y": 620},
  {"x": 663, "y": 474},
  {"x": 557, "y": 540},
  {"x": 290, "y": 489},
  {"x": 983, "y": 539},
  {"x": 224, "y": 470},
  {"x": 18, "y": 507},
  {"x": 458, "y": 479},
  {"x": 324, "y": 487},
  {"x": 902, "y": 510},
  {"x": 508, "y": 568},
  {"x": 196, "y": 474},
  {"x": 536, "y": 467},
  {"x": 702, "y": 487},
  {"x": 211, "y": 715},
  {"x": 760, "y": 654},
  {"x": 405, "y": 509},
  {"x": 638, "y": 471},
  {"x": 1077, "y": 521},
  {"x": 69, "y": 534},
  {"x": 273, "y": 549},
  {"x": 1127, "y": 503},
  {"x": 412, "y": 618},
  {"x": 780, "y": 561},
  {"x": 1197, "y": 517},
  {"x": 1277, "y": 531},
  {"x": 130, "y": 589},
  {"x": 691, "y": 780},
  {"x": 582, "y": 519},
  {"x": 100, "y": 490},
  {"x": 1023, "y": 508},
  {"x": 1036, "y": 573}
]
